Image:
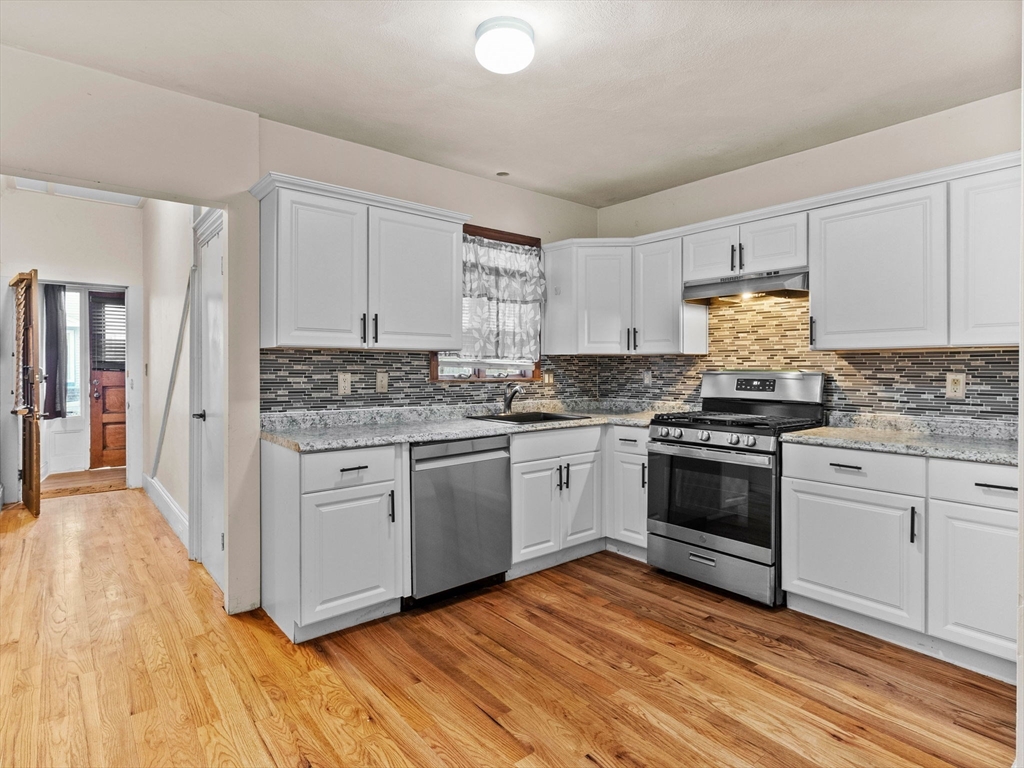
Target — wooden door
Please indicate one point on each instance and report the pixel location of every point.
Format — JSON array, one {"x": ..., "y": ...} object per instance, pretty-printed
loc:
[
  {"x": 320, "y": 270},
  {"x": 878, "y": 271},
  {"x": 536, "y": 505},
  {"x": 972, "y": 577},
  {"x": 658, "y": 297},
  {"x": 856, "y": 549},
  {"x": 711, "y": 255},
  {"x": 776, "y": 243},
  {"x": 28, "y": 394},
  {"x": 415, "y": 283},
  {"x": 581, "y": 508},
  {"x": 348, "y": 551},
  {"x": 605, "y": 299},
  {"x": 107, "y": 419},
  {"x": 984, "y": 259}
]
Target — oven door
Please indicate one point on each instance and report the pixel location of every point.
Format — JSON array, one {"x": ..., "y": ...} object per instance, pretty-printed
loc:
[{"x": 719, "y": 499}]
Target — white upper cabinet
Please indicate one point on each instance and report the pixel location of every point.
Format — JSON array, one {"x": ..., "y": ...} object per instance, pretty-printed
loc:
[
  {"x": 773, "y": 244},
  {"x": 320, "y": 267},
  {"x": 345, "y": 269},
  {"x": 878, "y": 271},
  {"x": 605, "y": 299},
  {"x": 711, "y": 255},
  {"x": 984, "y": 259},
  {"x": 657, "y": 297},
  {"x": 619, "y": 299},
  {"x": 758, "y": 246},
  {"x": 415, "y": 281}
]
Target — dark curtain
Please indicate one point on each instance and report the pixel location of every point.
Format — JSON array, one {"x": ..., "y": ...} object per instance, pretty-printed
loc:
[{"x": 56, "y": 346}]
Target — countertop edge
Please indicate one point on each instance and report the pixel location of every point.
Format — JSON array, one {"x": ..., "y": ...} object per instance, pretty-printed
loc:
[{"x": 973, "y": 453}]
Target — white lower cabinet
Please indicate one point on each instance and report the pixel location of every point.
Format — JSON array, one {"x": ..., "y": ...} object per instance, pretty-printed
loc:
[
  {"x": 556, "y": 491},
  {"x": 856, "y": 549},
  {"x": 348, "y": 546},
  {"x": 625, "y": 516},
  {"x": 332, "y": 531},
  {"x": 972, "y": 577},
  {"x": 849, "y": 546}
]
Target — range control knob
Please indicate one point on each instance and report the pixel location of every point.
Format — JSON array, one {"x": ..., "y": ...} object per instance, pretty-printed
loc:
[
  {"x": 663, "y": 432},
  {"x": 751, "y": 441},
  {"x": 734, "y": 439},
  {"x": 677, "y": 433},
  {"x": 703, "y": 436}
]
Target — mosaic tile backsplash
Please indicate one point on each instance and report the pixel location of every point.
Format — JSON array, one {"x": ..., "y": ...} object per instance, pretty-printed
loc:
[{"x": 765, "y": 333}]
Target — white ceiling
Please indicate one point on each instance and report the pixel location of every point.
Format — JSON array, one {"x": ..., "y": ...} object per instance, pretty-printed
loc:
[{"x": 622, "y": 99}]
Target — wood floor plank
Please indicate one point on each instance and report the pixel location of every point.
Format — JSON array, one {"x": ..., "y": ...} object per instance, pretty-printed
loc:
[{"x": 115, "y": 650}]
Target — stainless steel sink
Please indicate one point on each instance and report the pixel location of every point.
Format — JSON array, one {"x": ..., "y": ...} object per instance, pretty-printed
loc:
[{"x": 528, "y": 417}]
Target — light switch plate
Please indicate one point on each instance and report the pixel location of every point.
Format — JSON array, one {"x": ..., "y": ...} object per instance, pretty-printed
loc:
[
  {"x": 382, "y": 381},
  {"x": 956, "y": 386},
  {"x": 344, "y": 383}
]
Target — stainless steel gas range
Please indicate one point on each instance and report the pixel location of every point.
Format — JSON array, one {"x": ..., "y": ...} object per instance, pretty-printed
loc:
[{"x": 714, "y": 483}]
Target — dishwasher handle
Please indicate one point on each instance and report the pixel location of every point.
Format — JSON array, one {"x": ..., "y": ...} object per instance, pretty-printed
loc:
[{"x": 464, "y": 458}]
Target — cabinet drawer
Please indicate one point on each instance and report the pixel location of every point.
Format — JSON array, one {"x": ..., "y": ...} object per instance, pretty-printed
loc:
[
  {"x": 629, "y": 440},
  {"x": 857, "y": 469},
  {"x": 987, "y": 485},
  {"x": 323, "y": 471},
  {"x": 534, "y": 446}
]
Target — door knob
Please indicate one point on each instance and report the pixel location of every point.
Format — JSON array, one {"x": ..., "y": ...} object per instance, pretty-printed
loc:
[
  {"x": 96, "y": 395},
  {"x": 201, "y": 415}
]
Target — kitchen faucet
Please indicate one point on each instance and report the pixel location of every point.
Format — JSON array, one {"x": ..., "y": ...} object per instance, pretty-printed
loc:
[{"x": 511, "y": 390}]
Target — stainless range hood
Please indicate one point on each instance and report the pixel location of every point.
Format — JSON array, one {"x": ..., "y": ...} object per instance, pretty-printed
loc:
[{"x": 791, "y": 282}]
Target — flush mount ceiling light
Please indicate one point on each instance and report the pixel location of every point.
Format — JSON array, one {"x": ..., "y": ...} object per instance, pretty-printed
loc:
[{"x": 504, "y": 45}]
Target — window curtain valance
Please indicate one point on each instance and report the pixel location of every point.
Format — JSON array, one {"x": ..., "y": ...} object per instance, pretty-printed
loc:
[{"x": 502, "y": 297}]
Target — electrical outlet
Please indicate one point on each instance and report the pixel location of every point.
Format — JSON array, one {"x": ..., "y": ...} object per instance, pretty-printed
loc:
[
  {"x": 548, "y": 377},
  {"x": 648, "y": 377},
  {"x": 344, "y": 383},
  {"x": 382, "y": 381},
  {"x": 956, "y": 386}
]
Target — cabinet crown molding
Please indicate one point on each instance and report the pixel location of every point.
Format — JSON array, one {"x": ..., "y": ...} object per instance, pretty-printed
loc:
[
  {"x": 273, "y": 181},
  {"x": 949, "y": 173}
]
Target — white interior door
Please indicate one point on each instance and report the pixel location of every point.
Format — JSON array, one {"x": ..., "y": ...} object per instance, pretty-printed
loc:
[{"x": 207, "y": 475}]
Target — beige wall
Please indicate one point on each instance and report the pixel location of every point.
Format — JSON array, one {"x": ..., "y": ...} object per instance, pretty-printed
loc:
[
  {"x": 285, "y": 149},
  {"x": 969, "y": 132},
  {"x": 68, "y": 239},
  {"x": 166, "y": 261}
]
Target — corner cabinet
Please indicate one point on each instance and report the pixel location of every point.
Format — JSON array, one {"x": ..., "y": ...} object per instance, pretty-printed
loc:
[
  {"x": 878, "y": 270},
  {"x": 614, "y": 298},
  {"x": 345, "y": 269}
]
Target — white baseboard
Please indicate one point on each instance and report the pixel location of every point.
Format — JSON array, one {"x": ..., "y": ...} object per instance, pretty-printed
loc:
[{"x": 169, "y": 508}]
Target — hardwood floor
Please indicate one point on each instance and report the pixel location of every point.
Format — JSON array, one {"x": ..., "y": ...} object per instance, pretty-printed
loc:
[
  {"x": 87, "y": 481},
  {"x": 115, "y": 651}
]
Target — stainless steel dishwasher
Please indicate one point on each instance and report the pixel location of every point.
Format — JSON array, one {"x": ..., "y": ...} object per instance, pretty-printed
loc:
[{"x": 461, "y": 513}]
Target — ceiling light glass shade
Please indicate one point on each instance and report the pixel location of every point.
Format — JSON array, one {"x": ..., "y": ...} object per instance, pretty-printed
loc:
[{"x": 504, "y": 45}]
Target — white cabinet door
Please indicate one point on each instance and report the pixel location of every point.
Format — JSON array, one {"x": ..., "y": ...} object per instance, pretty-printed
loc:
[
  {"x": 320, "y": 267},
  {"x": 972, "y": 577},
  {"x": 348, "y": 551},
  {"x": 852, "y": 548},
  {"x": 629, "y": 498},
  {"x": 878, "y": 271},
  {"x": 777, "y": 243},
  {"x": 710, "y": 255},
  {"x": 604, "y": 298},
  {"x": 415, "y": 280},
  {"x": 658, "y": 297},
  {"x": 984, "y": 259},
  {"x": 581, "y": 499},
  {"x": 536, "y": 509}
]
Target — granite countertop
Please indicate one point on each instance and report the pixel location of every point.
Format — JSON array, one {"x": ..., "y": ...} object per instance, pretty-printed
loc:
[
  {"x": 988, "y": 450},
  {"x": 311, "y": 435}
]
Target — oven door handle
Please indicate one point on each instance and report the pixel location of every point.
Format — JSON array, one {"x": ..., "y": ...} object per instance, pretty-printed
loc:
[{"x": 713, "y": 454}]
